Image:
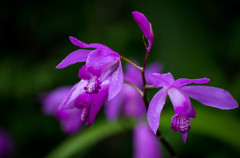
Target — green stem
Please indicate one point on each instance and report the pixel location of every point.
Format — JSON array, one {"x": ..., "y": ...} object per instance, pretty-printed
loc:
[
  {"x": 149, "y": 86},
  {"x": 135, "y": 87},
  {"x": 132, "y": 63},
  {"x": 145, "y": 87}
]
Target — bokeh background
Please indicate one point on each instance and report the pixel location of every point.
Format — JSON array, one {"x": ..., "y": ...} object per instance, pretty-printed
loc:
[{"x": 193, "y": 39}]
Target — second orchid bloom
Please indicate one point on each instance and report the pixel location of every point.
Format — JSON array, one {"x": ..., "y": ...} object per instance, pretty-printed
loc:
[{"x": 179, "y": 95}]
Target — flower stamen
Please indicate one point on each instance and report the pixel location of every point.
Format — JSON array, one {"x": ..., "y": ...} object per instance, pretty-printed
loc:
[{"x": 93, "y": 86}]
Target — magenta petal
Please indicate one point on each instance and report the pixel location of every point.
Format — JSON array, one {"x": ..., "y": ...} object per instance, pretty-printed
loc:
[
  {"x": 99, "y": 46},
  {"x": 54, "y": 99},
  {"x": 145, "y": 26},
  {"x": 83, "y": 100},
  {"x": 153, "y": 68},
  {"x": 155, "y": 108},
  {"x": 178, "y": 100},
  {"x": 74, "y": 93},
  {"x": 84, "y": 45},
  {"x": 113, "y": 107},
  {"x": 70, "y": 120},
  {"x": 184, "y": 136},
  {"x": 99, "y": 61},
  {"x": 161, "y": 80},
  {"x": 133, "y": 103},
  {"x": 83, "y": 73},
  {"x": 133, "y": 75},
  {"x": 98, "y": 101},
  {"x": 74, "y": 57},
  {"x": 184, "y": 81},
  {"x": 116, "y": 82},
  {"x": 146, "y": 144},
  {"x": 211, "y": 96},
  {"x": 191, "y": 113},
  {"x": 78, "y": 43}
]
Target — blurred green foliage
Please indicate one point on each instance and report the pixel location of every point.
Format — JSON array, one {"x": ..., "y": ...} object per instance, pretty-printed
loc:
[{"x": 193, "y": 39}]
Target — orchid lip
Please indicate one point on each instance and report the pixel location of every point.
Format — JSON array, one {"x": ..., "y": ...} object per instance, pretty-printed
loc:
[{"x": 180, "y": 122}]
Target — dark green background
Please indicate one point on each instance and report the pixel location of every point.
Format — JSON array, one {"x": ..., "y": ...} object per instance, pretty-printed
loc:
[{"x": 193, "y": 39}]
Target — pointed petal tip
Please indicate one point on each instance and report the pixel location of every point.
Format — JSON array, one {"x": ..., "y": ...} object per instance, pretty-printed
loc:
[
  {"x": 206, "y": 80},
  {"x": 71, "y": 38},
  {"x": 135, "y": 12},
  {"x": 58, "y": 67},
  {"x": 184, "y": 136}
]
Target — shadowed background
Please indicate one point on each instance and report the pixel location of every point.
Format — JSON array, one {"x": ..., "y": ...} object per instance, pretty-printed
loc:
[{"x": 193, "y": 39}]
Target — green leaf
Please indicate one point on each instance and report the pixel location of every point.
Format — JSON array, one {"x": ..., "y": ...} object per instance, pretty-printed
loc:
[{"x": 89, "y": 136}]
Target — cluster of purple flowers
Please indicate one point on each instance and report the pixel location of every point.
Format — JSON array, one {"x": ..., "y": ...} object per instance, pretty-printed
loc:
[{"x": 102, "y": 79}]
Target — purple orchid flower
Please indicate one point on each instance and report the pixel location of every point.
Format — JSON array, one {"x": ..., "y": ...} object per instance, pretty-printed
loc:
[
  {"x": 146, "y": 143},
  {"x": 70, "y": 118},
  {"x": 101, "y": 63},
  {"x": 6, "y": 144},
  {"x": 88, "y": 104},
  {"x": 145, "y": 26},
  {"x": 52, "y": 100},
  {"x": 129, "y": 102},
  {"x": 71, "y": 121},
  {"x": 179, "y": 95}
]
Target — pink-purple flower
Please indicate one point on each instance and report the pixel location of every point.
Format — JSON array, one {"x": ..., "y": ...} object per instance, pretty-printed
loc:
[
  {"x": 146, "y": 143},
  {"x": 73, "y": 106},
  {"x": 70, "y": 118},
  {"x": 101, "y": 63},
  {"x": 129, "y": 102},
  {"x": 179, "y": 95},
  {"x": 88, "y": 104},
  {"x": 145, "y": 26}
]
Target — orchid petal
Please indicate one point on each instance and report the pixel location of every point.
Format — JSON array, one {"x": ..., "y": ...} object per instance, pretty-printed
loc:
[
  {"x": 77, "y": 90},
  {"x": 146, "y": 143},
  {"x": 161, "y": 80},
  {"x": 133, "y": 103},
  {"x": 98, "y": 101},
  {"x": 133, "y": 75},
  {"x": 116, "y": 82},
  {"x": 191, "y": 113},
  {"x": 184, "y": 81},
  {"x": 179, "y": 100},
  {"x": 84, "y": 45},
  {"x": 155, "y": 108},
  {"x": 54, "y": 99},
  {"x": 99, "y": 46},
  {"x": 99, "y": 61},
  {"x": 145, "y": 26},
  {"x": 211, "y": 96},
  {"x": 78, "y": 43},
  {"x": 79, "y": 55},
  {"x": 83, "y": 100},
  {"x": 113, "y": 107},
  {"x": 83, "y": 73},
  {"x": 184, "y": 136},
  {"x": 153, "y": 68},
  {"x": 70, "y": 120}
]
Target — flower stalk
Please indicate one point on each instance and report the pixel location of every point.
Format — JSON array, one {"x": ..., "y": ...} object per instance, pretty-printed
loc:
[
  {"x": 146, "y": 87},
  {"x": 135, "y": 87},
  {"x": 132, "y": 63}
]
